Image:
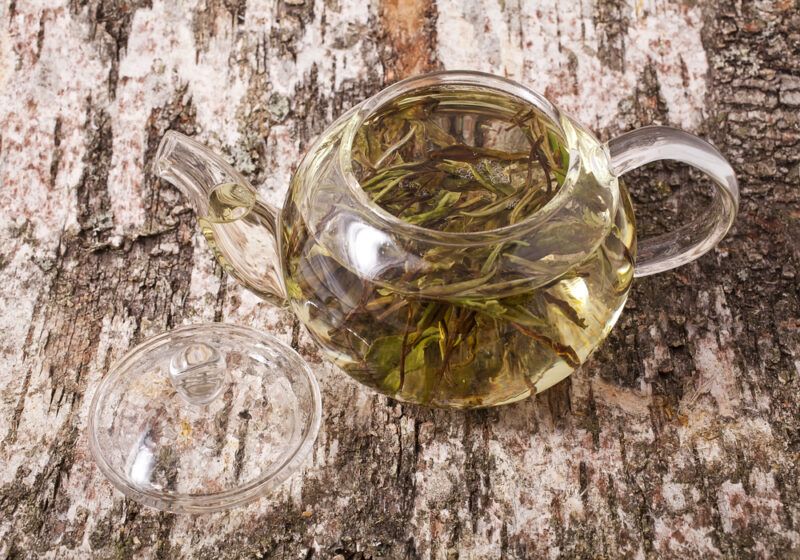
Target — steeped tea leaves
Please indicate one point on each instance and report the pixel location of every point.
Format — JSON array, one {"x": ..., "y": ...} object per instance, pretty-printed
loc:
[{"x": 462, "y": 324}]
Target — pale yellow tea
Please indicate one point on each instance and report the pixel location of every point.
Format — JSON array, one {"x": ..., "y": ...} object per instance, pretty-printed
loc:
[{"x": 462, "y": 161}]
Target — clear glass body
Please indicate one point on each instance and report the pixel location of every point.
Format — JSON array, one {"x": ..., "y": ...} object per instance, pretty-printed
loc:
[
  {"x": 450, "y": 318},
  {"x": 465, "y": 319}
]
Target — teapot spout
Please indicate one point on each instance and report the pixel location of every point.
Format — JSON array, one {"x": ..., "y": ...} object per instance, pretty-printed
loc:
[{"x": 240, "y": 228}]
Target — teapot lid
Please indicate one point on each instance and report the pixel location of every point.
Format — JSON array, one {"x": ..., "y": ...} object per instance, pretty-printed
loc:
[{"x": 204, "y": 418}]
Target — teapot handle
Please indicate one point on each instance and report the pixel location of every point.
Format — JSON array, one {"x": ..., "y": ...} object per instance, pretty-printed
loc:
[{"x": 689, "y": 241}]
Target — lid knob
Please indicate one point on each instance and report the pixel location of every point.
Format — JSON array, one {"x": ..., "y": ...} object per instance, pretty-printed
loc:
[{"x": 198, "y": 372}]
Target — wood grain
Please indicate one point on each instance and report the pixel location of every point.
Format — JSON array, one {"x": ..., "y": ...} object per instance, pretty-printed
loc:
[{"x": 680, "y": 438}]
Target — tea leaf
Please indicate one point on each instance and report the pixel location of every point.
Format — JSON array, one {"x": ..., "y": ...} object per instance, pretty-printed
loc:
[
  {"x": 384, "y": 353},
  {"x": 441, "y": 209},
  {"x": 562, "y": 350},
  {"x": 396, "y": 146},
  {"x": 565, "y": 308},
  {"x": 433, "y": 289},
  {"x": 463, "y": 152}
]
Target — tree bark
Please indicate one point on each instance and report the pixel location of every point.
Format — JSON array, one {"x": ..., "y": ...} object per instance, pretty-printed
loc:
[{"x": 679, "y": 438}]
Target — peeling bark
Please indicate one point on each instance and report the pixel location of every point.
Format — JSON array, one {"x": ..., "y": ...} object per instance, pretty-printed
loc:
[
  {"x": 410, "y": 28},
  {"x": 681, "y": 436}
]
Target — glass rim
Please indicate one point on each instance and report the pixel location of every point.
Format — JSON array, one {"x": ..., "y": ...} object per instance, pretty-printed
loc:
[{"x": 468, "y": 78}]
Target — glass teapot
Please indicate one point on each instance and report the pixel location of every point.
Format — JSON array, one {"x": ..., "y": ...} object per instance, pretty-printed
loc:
[{"x": 480, "y": 313}]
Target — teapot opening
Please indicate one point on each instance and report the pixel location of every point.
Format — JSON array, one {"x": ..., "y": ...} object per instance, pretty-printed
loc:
[
  {"x": 493, "y": 158},
  {"x": 400, "y": 190}
]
